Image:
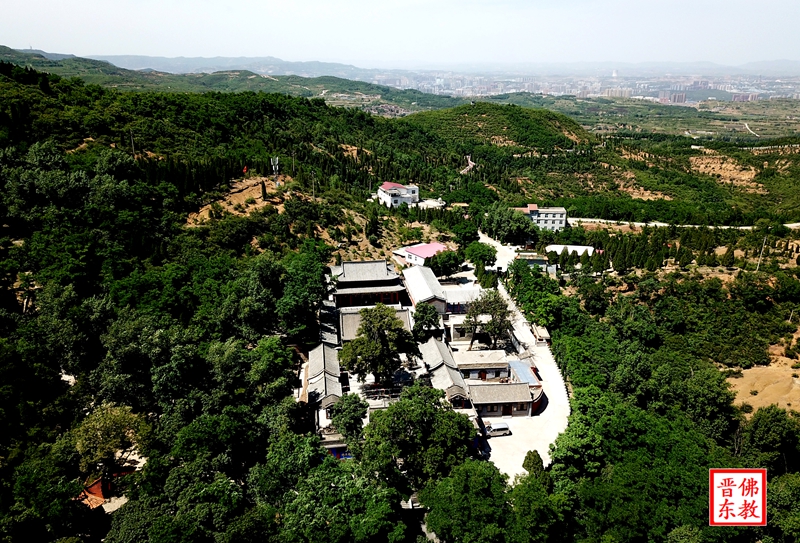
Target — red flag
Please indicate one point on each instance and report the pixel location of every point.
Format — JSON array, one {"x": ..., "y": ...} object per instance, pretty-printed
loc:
[{"x": 244, "y": 170}]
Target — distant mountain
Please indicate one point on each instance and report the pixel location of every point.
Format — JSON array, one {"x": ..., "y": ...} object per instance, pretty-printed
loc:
[
  {"x": 773, "y": 67},
  {"x": 276, "y": 66},
  {"x": 259, "y": 65},
  {"x": 334, "y": 90}
]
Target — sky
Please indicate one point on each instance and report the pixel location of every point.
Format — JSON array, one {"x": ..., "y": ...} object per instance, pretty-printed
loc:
[{"x": 413, "y": 33}]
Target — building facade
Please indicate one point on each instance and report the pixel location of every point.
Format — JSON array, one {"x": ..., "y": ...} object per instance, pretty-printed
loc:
[
  {"x": 394, "y": 194},
  {"x": 366, "y": 283},
  {"x": 546, "y": 218}
]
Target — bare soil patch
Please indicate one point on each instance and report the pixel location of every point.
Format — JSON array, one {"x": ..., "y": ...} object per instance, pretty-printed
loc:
[
  {"x": 774, "y": 384},
  {"x": 240, "y": 193},
  {"x": 628, "y": 184},
  {"x": 727, "y": 171}
]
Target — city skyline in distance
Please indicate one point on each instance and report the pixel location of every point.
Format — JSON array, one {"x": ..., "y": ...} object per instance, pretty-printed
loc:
[{"x": 411, "y": 34}]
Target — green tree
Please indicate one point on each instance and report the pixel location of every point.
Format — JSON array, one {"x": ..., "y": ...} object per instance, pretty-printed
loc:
[
  {"x": 337, "y": 504},
  {"x": 106, "y": 431},
  {"x": 469, "y": 505},
  {"x": 534, "y": 516},
  {"x": 376, "y": 350},
  {"x": 416, "y": 440},
  {"x": 727, "y": 259},
  {"x": 444, "y": 264},
  {"x": 534, "y": 465},
  {"x": 771, "y": 439},
  {"x": 465, "y": 232},
  {"x": 481, "y": 254},
  {"x": 685, "y": 257},
  {"x": 492, "y": 304},
  {"x": 425, "y": 318},
  {"x": 348, "y": 418}
]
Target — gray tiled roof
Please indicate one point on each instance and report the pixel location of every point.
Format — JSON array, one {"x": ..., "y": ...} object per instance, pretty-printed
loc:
[
  {"x": 323, "y": 376},
  {"x": 323, "y": 358},
  {"x": 483, "y": 365},
  {"x": 367, "y": 270},
  {"x": 444, "y": 374},
  {"x": 370, "y": 290},
  {"x": 435, "y": 352},
  {"x": 324, "y": 389},
  {"x": 500, "y": 393},
  {"x": 422, "y": 284}
]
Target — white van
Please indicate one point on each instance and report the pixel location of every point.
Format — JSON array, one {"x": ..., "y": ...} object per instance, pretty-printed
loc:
[{"x": 497, "y": 429}]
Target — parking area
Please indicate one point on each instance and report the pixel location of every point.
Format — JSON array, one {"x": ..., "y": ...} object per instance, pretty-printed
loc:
[{"x": 508, "y": 452}]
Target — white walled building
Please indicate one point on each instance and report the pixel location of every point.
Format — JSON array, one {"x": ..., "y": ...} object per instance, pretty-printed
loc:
[
  {"x": 546, "y": 218},
  {"x": 394, "y": 194}
]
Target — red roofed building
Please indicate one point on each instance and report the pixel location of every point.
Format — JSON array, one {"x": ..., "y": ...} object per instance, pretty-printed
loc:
[
  {"x": 394, "y": 194},
  {"x": 418, "y": 254}
]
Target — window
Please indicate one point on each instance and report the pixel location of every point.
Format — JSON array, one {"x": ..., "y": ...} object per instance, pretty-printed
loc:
[
  {"x": 497, "y": 373},
  {"x": 523, "y": 407},
  {"x": 466, "y": 374},
  {"x": 492, "y": 408}
]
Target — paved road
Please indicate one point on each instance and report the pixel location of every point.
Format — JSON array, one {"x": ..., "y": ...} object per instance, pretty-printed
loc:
[
  {"x": 538, "y": 432},
  {"x": 573, "y": 221}
]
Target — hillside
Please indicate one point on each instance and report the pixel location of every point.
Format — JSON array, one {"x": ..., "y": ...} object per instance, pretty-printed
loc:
[
  {"x": 522, "y": 154},
  {"x": 161, "y": 289},
  {"x": 488, "y": 124},
  {"x": 337, "y": 91}
]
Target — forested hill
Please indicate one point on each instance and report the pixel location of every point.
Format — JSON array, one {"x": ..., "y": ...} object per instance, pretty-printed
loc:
[
  {"x": 482, "y": 123},
  {"x": 521, "y": 154},
  {"x": 336, "y": 90},
  {"x": 128, "y": 336}
]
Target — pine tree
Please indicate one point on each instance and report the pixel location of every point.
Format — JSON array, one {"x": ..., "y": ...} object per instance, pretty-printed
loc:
[{"x": 727, "y": 259}]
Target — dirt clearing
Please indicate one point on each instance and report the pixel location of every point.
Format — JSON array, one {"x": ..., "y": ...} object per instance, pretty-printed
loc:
[
  {"x": 243, "y": 197},
  {"x": 775, "y": 384}
]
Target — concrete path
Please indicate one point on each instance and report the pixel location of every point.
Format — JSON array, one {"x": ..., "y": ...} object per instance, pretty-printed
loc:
[
  {"x": 575, "y": 221},
  {"x": 539, "y": 431}
]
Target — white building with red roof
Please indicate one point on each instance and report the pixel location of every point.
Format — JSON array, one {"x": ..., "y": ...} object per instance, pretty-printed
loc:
[
  {"x": 416, "y": 255},
  {"x": 394, "y": 194}
]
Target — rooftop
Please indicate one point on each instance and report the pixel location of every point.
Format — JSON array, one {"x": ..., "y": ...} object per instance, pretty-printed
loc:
[
  {"x": 426, "y": 250},
  {"x": 324, "y": 389},
  {"x": 500, "y": 393},
  {"x": 444, "y": 373},
  {"x": 484, "y": 357},
  {"x": 458, "y": 294},
  {"x": 323, "y": 358},
  {"x": 422, "y": 284},
  {"x": 365, "y": 270},
  {"x": 552, "y": 210},
  {"x": 390, "y": 185},
  {"x": 524, "y": 373},
  {"x": 527, "y": 209}
]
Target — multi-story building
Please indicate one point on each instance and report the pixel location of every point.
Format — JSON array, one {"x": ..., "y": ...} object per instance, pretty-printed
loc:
[
  {"x": 394, "y": 194},
  {"x": 546, "y": 218}
]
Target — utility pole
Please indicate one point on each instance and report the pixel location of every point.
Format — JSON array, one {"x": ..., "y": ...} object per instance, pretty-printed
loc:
[
  {"x": 132, "y": 149},
  {"x": 761, "y": 253}
]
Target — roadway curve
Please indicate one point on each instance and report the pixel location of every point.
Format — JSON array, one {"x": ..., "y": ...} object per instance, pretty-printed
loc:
[{"x": 552, "y": 420}]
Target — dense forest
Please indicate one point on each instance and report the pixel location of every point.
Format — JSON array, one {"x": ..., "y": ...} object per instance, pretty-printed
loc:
[{"x": 126, "y": 335}]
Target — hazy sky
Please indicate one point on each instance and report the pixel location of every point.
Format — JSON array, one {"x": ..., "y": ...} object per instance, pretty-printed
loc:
[{"x": 413, "y": 33}]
